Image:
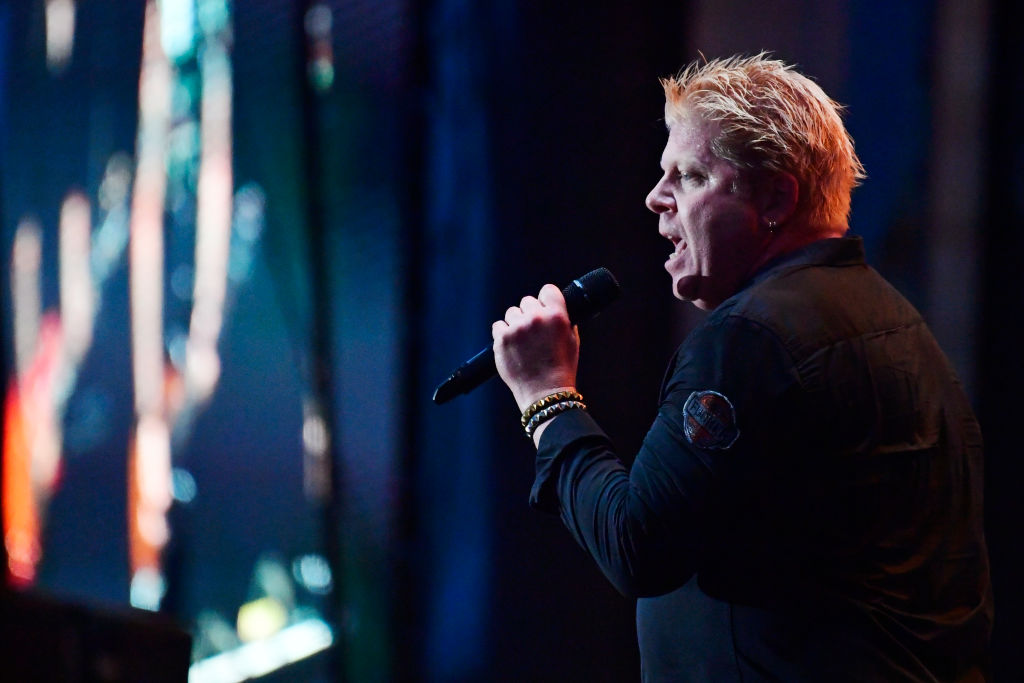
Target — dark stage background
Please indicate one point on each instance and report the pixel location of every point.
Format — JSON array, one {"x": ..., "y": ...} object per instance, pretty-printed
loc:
[{"x": 397, "y": 173}]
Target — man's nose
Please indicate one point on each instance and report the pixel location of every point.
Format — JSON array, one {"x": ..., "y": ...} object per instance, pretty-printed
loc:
[{"x": 658, "y": 200}]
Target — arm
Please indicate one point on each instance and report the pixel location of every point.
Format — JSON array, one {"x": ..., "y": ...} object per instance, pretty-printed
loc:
[
  {"x": 646, "y": 528},
  {"x": 637, "y": 525}
]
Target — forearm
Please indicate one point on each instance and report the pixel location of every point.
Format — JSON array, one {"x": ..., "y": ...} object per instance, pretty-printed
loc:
[{"x": 638, "y": 548}]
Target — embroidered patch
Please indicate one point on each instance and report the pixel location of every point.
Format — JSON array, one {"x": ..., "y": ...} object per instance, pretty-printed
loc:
[{"x": 709, "y": 420}]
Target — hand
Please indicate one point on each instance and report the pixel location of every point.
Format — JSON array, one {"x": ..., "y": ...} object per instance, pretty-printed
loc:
[{"x": 536, "y": 348}]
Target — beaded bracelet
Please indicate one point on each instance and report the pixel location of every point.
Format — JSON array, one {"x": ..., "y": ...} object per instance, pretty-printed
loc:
[
  {"x": 549, "y": 400},
  {"x": 545, "y": 414}
]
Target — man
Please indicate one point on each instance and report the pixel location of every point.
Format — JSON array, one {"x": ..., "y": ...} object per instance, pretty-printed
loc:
[{"x": 807, "y": 505}]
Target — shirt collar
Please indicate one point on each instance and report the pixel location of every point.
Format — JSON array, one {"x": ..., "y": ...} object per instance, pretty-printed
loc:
[{"x": 832, "y": 251}]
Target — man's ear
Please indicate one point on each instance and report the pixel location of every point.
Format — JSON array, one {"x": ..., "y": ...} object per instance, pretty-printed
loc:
[{"x": 779, "y": 195}]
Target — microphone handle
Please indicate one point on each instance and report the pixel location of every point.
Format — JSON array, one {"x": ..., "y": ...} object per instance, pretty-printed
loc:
[{"x": 467, "y": 377}]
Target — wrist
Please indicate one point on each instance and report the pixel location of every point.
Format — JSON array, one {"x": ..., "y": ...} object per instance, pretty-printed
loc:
[
  {"x": 540, "y": 430},
  {"x": 527, "y": 398},
  {"x": 549, "y": 406}
]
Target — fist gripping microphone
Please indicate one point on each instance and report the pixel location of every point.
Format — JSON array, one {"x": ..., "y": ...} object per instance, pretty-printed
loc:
[{"x": 585, "y": 297}]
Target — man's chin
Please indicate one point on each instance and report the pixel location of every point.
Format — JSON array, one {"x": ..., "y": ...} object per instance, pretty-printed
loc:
[
  {"x": 689, "y": 289},
  {"x": 686, "y": 288}
]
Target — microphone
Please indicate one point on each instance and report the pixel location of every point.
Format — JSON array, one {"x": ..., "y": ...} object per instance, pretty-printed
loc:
[{"x": 585, "y": 297}]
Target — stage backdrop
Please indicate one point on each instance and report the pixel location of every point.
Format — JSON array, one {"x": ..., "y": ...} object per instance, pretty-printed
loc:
[{"x": 245, "y": 240}]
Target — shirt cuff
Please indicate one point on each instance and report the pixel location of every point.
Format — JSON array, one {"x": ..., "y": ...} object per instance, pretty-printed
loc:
[{"x": 566, "y": 430}]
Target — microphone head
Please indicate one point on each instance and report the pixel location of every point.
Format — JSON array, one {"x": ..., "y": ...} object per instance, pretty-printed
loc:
[{"x": 589, "y": 294}]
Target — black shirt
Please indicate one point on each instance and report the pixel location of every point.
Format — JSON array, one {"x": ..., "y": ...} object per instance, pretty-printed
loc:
[{"x": 808, "y": 502}]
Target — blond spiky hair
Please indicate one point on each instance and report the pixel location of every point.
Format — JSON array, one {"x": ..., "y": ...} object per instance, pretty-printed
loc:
[{"x": 773, "y": 117}]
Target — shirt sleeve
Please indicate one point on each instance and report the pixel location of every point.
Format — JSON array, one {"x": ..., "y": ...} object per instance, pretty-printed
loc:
[{"x": 647, "y": 527}]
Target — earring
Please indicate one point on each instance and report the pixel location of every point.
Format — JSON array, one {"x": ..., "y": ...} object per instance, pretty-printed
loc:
[{"x": 772, "y": 225}]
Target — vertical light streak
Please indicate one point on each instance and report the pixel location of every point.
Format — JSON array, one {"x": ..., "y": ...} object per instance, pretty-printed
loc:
[
  {"x": 33, "y": 405},
  {"x": 48, "y": 348},
  {"x": 150, "y": 470},
  {"x": 60, "y": 33},
  {"x": 26, "y": 258},
  {"x": 150, "y": 466},
  {"x": 213, "y": 223},
  {"x": 176, "y": 26},
  {"x": 77, "y": 293},
  {"x": 111, "y": 237},
  {"x": 316, "y": 441},
  {"x": 320, "y": 52},
  {"x": 20, "y": 512}
]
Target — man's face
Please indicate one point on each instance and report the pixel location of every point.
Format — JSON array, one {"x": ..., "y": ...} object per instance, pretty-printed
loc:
[{"x": 707, "y": 209}]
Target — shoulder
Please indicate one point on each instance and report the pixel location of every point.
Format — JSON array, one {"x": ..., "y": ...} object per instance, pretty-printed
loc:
[
  {"x": 731, "y": 354},
  {"x": 813, "y": 306}
]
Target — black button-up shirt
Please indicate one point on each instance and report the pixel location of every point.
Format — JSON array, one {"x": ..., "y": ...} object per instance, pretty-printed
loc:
[{"x": 807, "y": 505}]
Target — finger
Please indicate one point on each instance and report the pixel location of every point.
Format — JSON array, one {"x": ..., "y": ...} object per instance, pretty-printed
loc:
[
  {"x": 512, "y": 313},
  {"x": 551, "y": 296},
  {"x": 529, "y": 304},
  {"x": 497, "y": 328}
]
